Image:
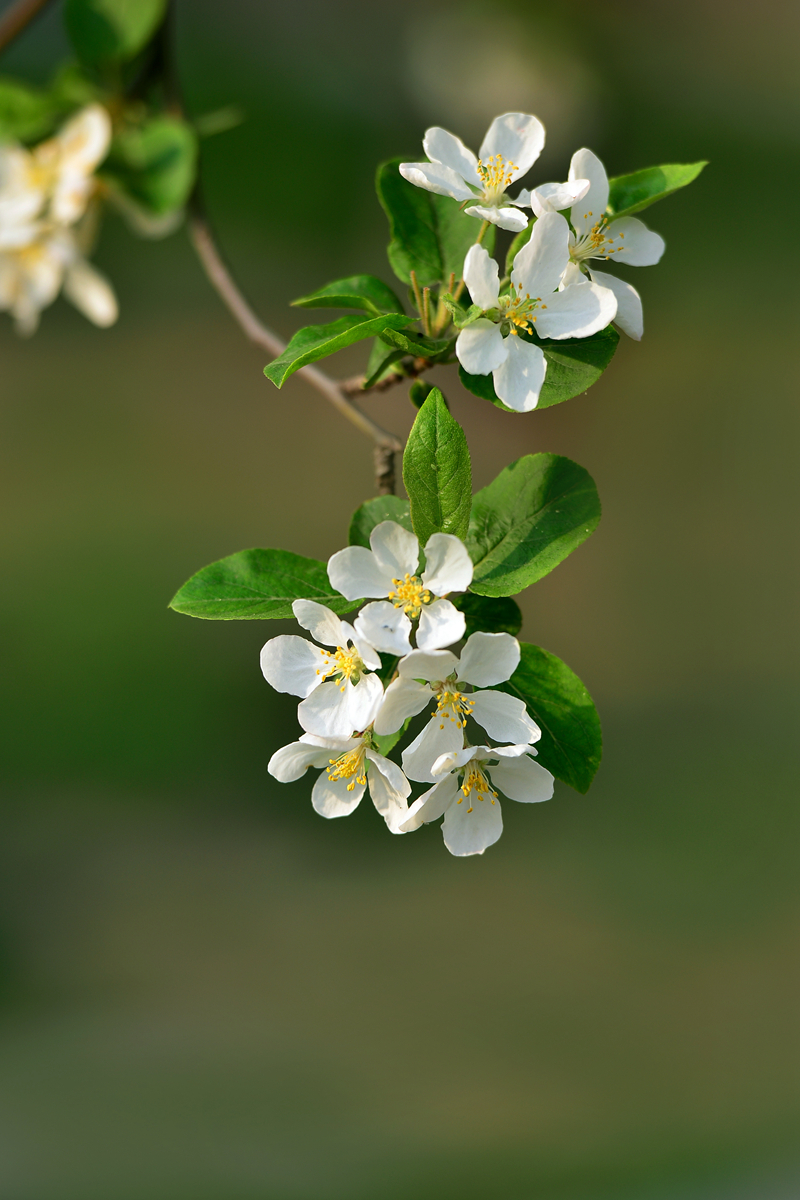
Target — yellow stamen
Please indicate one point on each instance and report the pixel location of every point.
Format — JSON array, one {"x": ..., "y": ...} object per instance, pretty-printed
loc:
[
  {"x": 349, "y": 766},
  {"x": 496, "y": 174},
  {"x": 410, "y": 594}
]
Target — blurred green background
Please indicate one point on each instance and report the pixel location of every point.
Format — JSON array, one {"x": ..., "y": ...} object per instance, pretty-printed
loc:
[{"x": 205, "y": 990}]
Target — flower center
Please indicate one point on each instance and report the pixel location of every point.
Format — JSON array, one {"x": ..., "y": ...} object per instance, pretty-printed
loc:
[
  {"x": 517, "y": 309},
  {"x": 475, "y": 781},
  {"x": 410, "y": 594},
  {"x": 596, "y": 243},
  {"x": 453, "y": 706},
  {"x": 341, "y": 665},
  {"x": 349, "y": 766},
  {"x": 496, "y": 175}
]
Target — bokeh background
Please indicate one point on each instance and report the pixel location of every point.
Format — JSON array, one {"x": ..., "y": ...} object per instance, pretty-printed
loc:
[{"x": 207, "y": 991}]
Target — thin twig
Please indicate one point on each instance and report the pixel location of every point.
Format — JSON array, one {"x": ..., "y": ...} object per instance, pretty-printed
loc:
[{"x": 16, "y": 17}]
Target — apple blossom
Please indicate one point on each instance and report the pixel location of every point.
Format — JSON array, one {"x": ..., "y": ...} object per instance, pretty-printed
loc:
[{"x": 32, "y": 275}]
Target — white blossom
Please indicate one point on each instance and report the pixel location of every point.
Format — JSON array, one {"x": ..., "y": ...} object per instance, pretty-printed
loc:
[
  {"x": 389, "y": 569},
  {"x": 466, "y": 794},
  {"x": 32, "y": 275},
  {"x": 536, "y": 297},
  {"x": 512, "y": 144},
  {"x": 554, "y": 197}
]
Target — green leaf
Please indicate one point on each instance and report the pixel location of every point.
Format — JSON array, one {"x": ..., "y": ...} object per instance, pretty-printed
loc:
[
  {"x": 430, "y": 234},
  {"x": 411, "y": 342},
  {"x": 106, "y": 31},
  {"x": 631, "y": 193},
  {"x": 381, "y": 360},
  {"x": 358, "y": 291},
  {"x": 318, "y": 341},
  {"x": 257, "y": 584},
  {"x": 419, "y": 391},
  {"x": 536, "y": 512},
  {"x": 384, "y": 742},
  {"x": 573, "y": 365},
  {"x": 372, "y": 512},
  {"x": 571, "y": 744},
  {"x": 486, "y": 614},
  {"x": 155, "y": 164},
  {"x": 437, "y": 472},
  {"x": 26, "y": 113}
]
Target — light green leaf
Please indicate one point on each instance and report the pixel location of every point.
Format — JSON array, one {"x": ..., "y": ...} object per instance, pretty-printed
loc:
[
  {"x": 155, "y": 164},
  {"x": 318, "y": 341},
  {"x": 358, "y": 291},
  {"x": 437, "y": 472},
  {"x": 26, "y": 113},
  {"x": 631, "y": 193},
  {"x": 106, "y": 31},
  {"x": 257, "y": 584},
  {"x": 372, "y": 512},
  {"x": 571, "y": 744},
  {"x": 530, "y": 517},
  {"x": 496, "y": 614},
  {"x": 384, "y": 742}
]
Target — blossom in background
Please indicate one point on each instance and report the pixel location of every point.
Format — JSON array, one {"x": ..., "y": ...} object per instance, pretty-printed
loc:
[
  {"x": 339, "y": 693},
  {"x": 351, "y": 765},
  {"x": 424, "y": 676},
  {"x": 389, "y": 569},
  {"x": 491, "y": 345},
  {"x": 465, "y": 793},
  {"x": 598, "y": 234},
  {"x": 32, "y": 275},
  {"x": 512, "y": 144}
]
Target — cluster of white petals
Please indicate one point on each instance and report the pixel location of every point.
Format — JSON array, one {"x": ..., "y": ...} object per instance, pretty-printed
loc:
[
  {"x": 45, "y": 194},
  {"x": 345, "y": 710}
]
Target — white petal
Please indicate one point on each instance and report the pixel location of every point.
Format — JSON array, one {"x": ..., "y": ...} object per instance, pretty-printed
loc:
[
  {"x": 396, "y": 549},
  {"x": 402, "y": 699},
  {"x": 431, "y": 804},
  {"x": 291, "y": 762},
  {"x": 440, "y": 625},
  {"x": 356, "y": 573},
  {"x": 366, "y": 651},
  {"x": 323, "y": 625},
  {"x": 519, "y": 380},
  {"x": 391, "y": 773},
  {"x": 84, "y": 140},
  {"x": 445, "y": 148},
  {"x": 91, "y": 293},
  {"x": 572, "y": 275},
  {"x": 541, "y": 262},
  {"x": 578, "y": 311},
  {"x": 389, "y": 790},
  {"x": 437, "y": 738},
  {"x": 448, "y": 566},
  {"x": 331, "y": 798},
  {"x": 519, "y": 137},
  {"x": 482, "y": 277},
  {"x": 434, "y": 665},
  {"x": 634, "y": 243},
  {"x": 586, "y": 165},
  {"x": 501, "y": 752},
  {"x": 481, "y": 347},
  {"x": 629, "y": 305},
  {"x": 471, "y": 825},
  {"x": 366, "y": 698},
  {"x": 488, "y": 658},
  {"x": 504, "y": 717},
  {"x": 70, "y": 197},
  {"x": 435, "y": 178},
  {"x": 456, "y": 758},
  {"x": 385, "y": 627},
  {"x": 291, "y": 664},
  {"x": 522, "y": 779},
  {"x": 553, "y": 197},
  {"x": 503, "y": 216},
  {"x": 328, "y": 711}
]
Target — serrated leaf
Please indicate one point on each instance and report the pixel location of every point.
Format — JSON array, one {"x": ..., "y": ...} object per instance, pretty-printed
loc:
[
  {"x": 437, "y": 471},
  {"x": 357, "y": 291},
  {"x": 571, "y": 744},
  {"x": 573, "y": 365},
  {"x": 485, "y": 614},
  {"x": 257, "y": 584},
  {"x": 318, "y": 341},
  {"x": 155, "y": 164},
  {"x": 632, "y": 193},
  {"x": 106, "y": 31},
  {"x": 527, "y": 520},
  {"x": 372, "y": 512}
]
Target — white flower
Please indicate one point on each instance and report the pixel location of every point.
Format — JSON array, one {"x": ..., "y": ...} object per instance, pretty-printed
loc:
[
  {"x": 491, "y": 345},
  {"x": 351, "y": 765},
  {"x": 390, "y": 569},
  {"x": 423, "y": 676},
  {"x": 465, "y": 794},
  {"x": 553, "y": 197},
  {"x": 511, "y": 146},
  {"x": 339, "y": 693},
  {"x": 32, "y": 275},
  {"x": 599, "y": 235}
]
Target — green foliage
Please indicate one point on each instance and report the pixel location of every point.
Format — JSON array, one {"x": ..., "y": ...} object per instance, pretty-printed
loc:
[
  {"x": 109, "y": 31},
  {"x": 380, "y": 363},
  {"x": 318, "y": 341},
  {"x": 571, "y": 744},
  {"x": 529, "y": 518},
  {"x": 416, "y": 344},
  {"x": 437, "y": 472},
  {"x": 28, "y": 114},
  {"x": 631, "y": 193},
  {"x": 486, "y": 614},
  {"x": 372, "y": 512},
  {"x": 573, "y": 365},
  {"x": 155, "y": 164},
  {"x": 358, "y": 291},
  {"x": 430, "y": 234},
  {"x": 257, "y": 584},
  {"x": 419, "y": 391}
]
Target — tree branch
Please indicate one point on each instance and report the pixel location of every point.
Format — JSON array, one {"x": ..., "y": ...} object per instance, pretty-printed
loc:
[{"x": 16, "y": 17}]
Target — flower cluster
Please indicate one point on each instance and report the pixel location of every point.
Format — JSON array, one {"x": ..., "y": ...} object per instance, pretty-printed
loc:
[
  {"x": 346, "y": 710},
  {"x": 46, "y": 222}
]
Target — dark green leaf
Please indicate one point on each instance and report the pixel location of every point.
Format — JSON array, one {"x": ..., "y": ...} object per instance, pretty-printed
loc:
[
  {"x": 381, "y": 360},
  {"x": 358, "y": 291},
  {"x": 631, "y": 193},
  {"x": 430, "y": 234},
  {"x": 155, "y": 164},
  {"x": 318, "y": 341},
  {"x": 372, "y": 512},
  {"x": 536, "y": 512},
  {"x": 437, "y": 472},
  {"x": 419, "y": 391},
  {"x": 411, "y": 342},
  {"x": 484, "y": 614},
  {"x": 257, "y": 584},
  {"x": 105, "y": 31},
  {"x": 571, "y": 744}
]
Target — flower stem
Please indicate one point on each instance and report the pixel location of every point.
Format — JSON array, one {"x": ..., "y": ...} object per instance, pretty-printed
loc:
[
  {"x": 415, "y": 289},
  {"x": 426, "y": 310}
]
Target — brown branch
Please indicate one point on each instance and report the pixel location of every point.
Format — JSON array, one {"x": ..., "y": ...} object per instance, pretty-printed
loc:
[{"x": 17, "y": 17}]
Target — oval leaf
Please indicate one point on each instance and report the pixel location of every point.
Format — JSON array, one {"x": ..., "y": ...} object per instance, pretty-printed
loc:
[
  {"x": 105, "y": 31},
  {"x": 155, "y": 164},
  {"x": 437, "y": 472},
  {"x": 358, "y": 291},
  {"x": 631, "y": 193},
  {"x": 372, "y": 512},
  {"x": 318, "y": 341}
]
